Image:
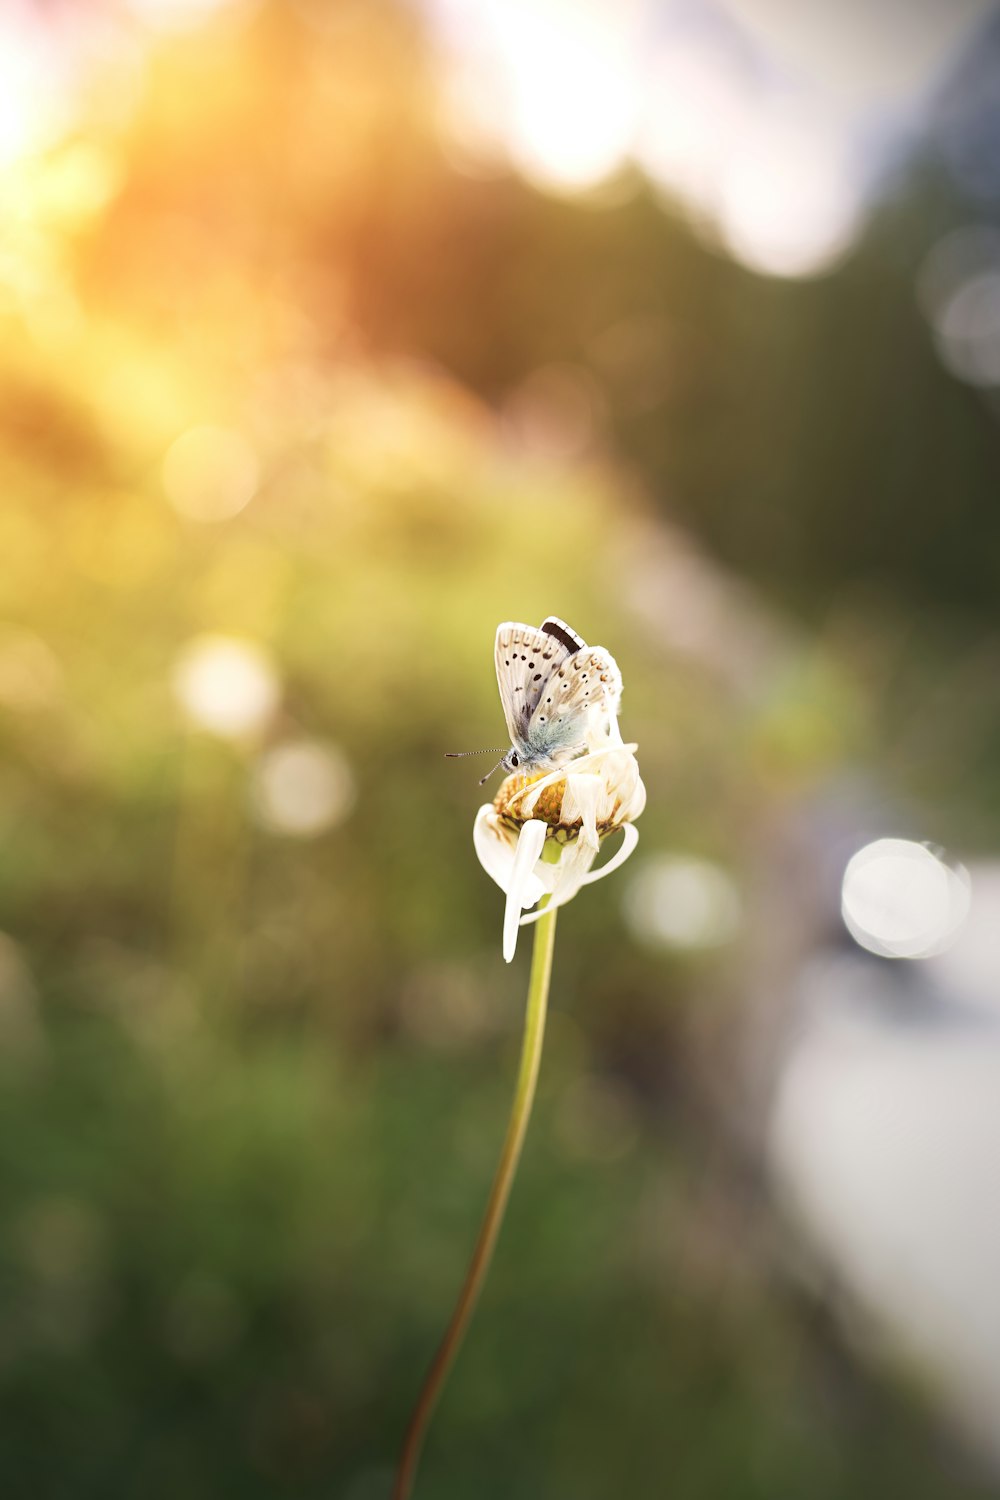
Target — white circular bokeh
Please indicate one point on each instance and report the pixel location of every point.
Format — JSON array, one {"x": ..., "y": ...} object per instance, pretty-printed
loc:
[
  {"x": 900, "y": 900},
  {"x": 303, "y": 787},
  {"x": 226, "y": 684},
  {"x": 676, "y": 901}
]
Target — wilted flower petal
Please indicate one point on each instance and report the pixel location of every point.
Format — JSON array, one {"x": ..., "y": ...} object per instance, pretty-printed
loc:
[{"x": 630, "y": 837}]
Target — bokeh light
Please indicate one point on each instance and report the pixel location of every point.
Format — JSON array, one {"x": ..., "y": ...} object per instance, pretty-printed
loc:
[
  {"x": 178, "y": 14},
  {"x": 680, "y": 902},
  {"x": 556, "y": 414},
  {"x": 226, "y": 685},
  {"x": 769, "y": 126},
  {"x": 565, "y": 58},
  {"x": 882, "y": 1143},
  {"x": 697, "y": 105},
  {"x": 790, "y": 196},
  {"x": 553, "y": 80},
  {"x": 968, "y": 330},
  {"x": 210, "y": 473},
  {"x": 31, "y": 113},
  {"x": 901, "y": 900},
  {"x": 967, "y": 968},
  {"x": 303, "y": 787},
  {"x": 30, "y": 675},
  {"x": 959, "y": 288}
]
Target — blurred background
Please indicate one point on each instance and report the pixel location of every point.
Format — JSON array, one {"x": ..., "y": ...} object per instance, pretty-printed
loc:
[{"x": 333, "y": 332}]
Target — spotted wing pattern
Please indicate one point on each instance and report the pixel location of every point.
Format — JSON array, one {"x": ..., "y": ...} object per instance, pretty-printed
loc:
[
  {"x": 587, "y": 679},
  {"x": 526, "y": 658}
]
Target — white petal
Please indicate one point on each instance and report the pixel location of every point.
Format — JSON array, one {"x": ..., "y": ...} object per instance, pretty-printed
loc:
[
  {"x": 630, "y": 837},
  {"x": 573, "y": 869},
  {"x": 495, "y": 845},
  {"x": 574, "y": 879},
  {"x": 636, "y": 801},
  {"x": 528, "y": 795},
  {"x": 523, "y": 883},
  {"x": 493, "y": 849},
  {"x": 581, "y": 800},
  {"x": 603, "y": 729},
  {"x": 576, "y": 860}
]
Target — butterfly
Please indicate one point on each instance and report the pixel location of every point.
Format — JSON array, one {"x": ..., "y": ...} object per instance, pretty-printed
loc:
[{"x": 552, "y": 685}]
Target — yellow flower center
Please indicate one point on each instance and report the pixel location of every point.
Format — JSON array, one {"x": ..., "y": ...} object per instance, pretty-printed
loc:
[{"x": 547, "y": 807}]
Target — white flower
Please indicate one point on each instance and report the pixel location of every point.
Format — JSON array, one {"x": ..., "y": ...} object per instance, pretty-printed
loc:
[{"x": 541, "y": 836}]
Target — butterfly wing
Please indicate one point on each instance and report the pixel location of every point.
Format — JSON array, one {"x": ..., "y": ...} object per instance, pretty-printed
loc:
[
  {"x": 565, "y": 634},
  {"x": 586, "y": 681},
  {"x": 526, "y": 658}
]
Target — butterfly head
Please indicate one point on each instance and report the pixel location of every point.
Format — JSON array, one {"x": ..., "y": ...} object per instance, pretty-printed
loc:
[
  {"x": 512, "y": 761},
  {"x": 521, "y": 762}
]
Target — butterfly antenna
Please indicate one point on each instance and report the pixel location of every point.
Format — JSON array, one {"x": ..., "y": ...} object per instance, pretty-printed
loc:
[
  {"x": 461, "y": 754},
  {"x": 486, "y": 778}
]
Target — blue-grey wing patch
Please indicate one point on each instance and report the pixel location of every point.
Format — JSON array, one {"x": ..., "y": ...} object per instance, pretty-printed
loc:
[
  {"x": 587, "y": 679},
  {"x": 526, "y": 658}
]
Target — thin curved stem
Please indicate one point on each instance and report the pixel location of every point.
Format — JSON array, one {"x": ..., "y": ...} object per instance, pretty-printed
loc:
[{"x": 524, "y": 1094}]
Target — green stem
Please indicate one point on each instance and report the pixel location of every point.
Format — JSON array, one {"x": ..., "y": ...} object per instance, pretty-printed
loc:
[{"x": 517, "y": 1125}]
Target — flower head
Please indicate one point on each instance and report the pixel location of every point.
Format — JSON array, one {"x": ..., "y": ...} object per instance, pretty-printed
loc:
[{"x": 541, "y": 834}]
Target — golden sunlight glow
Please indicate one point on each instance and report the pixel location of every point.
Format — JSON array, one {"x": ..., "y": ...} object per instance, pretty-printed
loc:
[
  {"x": 175, "y": 14},
  {"x": 210, "y": 473},
  {"x": 30, "y": 111},
  {"x": 30, "y": 674}
]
